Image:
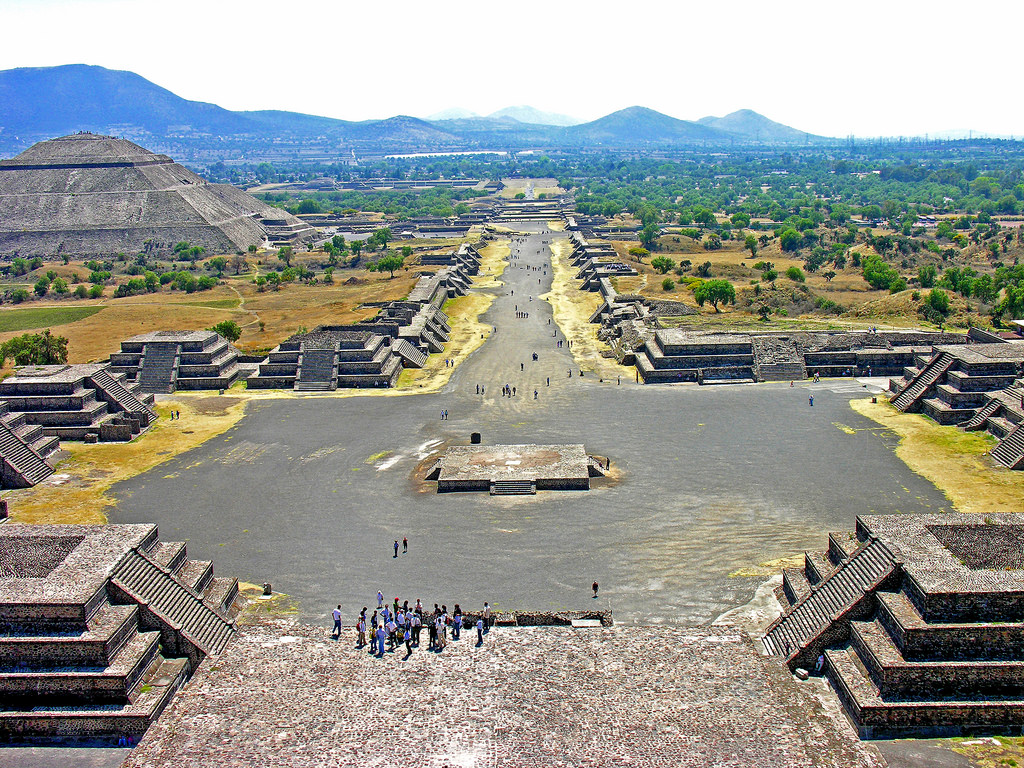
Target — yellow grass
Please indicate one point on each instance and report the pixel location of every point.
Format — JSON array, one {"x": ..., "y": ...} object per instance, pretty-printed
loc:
[
  {"x": 78, "y": 492},
  {"x": 572, "y": 309},
  {"x": 955, "y": 461}
]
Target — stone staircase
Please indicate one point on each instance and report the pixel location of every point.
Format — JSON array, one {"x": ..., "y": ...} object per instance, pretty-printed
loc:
[
  {"x": 918, "y": 387},
  {"x": 158, "y": 370},
  {"x": 22, "y": 465},
  {"x": 980, "y": 419},
  {"x": 802, "y": 632},
  {"x": 513, "y": 488},
  {"x": 147, "y": 583},
  {"x": 1010, "y": 451},
  {"x": 410, "y": 355},
  {"x": 317, "y": 370},
  {"x": 125, "y": 398}
]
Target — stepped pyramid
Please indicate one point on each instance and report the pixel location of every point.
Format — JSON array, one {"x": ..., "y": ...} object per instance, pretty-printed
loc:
[{"x": 91, "y": 195}]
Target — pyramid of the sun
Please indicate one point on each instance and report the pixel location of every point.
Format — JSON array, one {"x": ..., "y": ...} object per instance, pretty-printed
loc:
[{"x": 88, "y": 195}]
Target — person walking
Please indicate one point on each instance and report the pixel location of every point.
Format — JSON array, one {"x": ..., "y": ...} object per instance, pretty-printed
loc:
[
  {"x": 396, "y": 547},
  {"x": 408, "y": 643},
  {"x": 595, "y": 590},
  {"x": 380, "y": 599},
  {"x": 810, "y": 401},
  {"x": 487, "y": 617},
  {"x": 456, "y": 622},
  {"x": 361, "y": 630},
  {"x": 405, "y": 544},
  {"x": 337, "y": 621},
  {"x": 480, "y": 630}
]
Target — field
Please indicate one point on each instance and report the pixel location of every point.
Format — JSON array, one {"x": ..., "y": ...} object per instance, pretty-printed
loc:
[
  {"x": 95, "y": 327},
  {"x": 43, "y": 317}
]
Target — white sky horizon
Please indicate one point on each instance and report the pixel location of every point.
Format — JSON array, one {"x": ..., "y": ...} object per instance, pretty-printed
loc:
[{"x": 904, "y": 68}]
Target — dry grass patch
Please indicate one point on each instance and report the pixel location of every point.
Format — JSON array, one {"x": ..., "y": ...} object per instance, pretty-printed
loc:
[
  {"x": 572, "y": 309},
  {"x": 78, "y": 492},
  {"x": 956, "y": 462}
]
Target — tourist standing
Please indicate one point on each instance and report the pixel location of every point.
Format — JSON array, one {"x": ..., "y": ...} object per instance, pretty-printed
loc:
[
  {"x": 381, "y": 634},
  {"x": 480, "y": 630},
  {"x": 487, "y": 617},
  {"x": 337, "y": 621},
  {"x": 380, "y": 599},
  {"x": 405, "y": 545},
  {"x": 396, "y": 547},
  {"x": 361, "y": 630},
  {"x": 595, "y": 589},
  {"x": 416, "y": 625}
]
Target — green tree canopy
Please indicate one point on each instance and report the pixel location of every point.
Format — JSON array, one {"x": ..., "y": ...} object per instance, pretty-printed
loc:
[{"x": 715, "y": 292}]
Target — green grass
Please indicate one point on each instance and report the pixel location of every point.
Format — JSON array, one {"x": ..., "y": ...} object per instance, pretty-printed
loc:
[
  {"x": 43, "y": 317},
  {"x": 213, "y": 304}
]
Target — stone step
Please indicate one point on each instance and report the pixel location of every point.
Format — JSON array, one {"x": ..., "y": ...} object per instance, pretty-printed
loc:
[
  {"x": 876, "y": 718},
  {"x": 94, "y": 646},
  {"x": 918, "y": 639},
  {"x": 102, "y": 723},
  {"x": 513, "y": 488}
]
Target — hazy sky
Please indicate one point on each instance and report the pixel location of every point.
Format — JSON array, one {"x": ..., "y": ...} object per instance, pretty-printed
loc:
[{"x": 834, "y": 68}]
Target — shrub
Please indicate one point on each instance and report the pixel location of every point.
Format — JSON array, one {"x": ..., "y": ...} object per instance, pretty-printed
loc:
[
  {"x": 668, "y": 284},
  {"x": 796, "y": 274}
]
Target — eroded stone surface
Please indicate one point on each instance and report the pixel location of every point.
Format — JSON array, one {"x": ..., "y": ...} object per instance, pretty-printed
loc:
[{"x": 287, "y": 694}]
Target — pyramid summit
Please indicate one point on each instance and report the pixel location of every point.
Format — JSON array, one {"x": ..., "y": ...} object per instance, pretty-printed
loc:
[{"x": 89, "y": 195}]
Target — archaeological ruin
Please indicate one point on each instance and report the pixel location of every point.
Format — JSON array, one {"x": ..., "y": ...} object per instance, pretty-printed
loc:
[
  {"x": 92, "y": 195},
  {"x": 511, "y": 470},
  {"x": 100, "y": 625},
  {"x": 916, "y": 621}
]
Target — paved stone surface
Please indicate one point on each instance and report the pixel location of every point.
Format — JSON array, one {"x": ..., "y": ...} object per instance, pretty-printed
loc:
[{"x": 287, "y": 694}]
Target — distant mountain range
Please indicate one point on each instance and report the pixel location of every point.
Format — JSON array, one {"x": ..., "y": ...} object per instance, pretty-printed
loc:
[{"x": 38, "y": 103}]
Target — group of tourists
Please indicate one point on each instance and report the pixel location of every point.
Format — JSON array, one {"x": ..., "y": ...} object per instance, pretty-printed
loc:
[{"x": 391, "y": 626}]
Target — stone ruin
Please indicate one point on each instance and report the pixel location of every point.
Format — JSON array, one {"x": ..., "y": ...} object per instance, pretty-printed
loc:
[
  {"x": 976, "y": 386},
  {"x": 916, "y": 621},
  {"x": 90, "y": 195},
  {"x": 167, "y": 361},
  {"x": 99, "y": 626},
  {"x": 373, "y": 353},
  {"x": 509, "y": 470}
]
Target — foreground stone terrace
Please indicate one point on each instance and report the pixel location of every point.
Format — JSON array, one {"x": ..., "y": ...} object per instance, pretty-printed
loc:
[{"x": 287, "y": 694}]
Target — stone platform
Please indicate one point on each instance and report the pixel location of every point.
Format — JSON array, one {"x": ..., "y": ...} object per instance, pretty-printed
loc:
[
  {"x": 514, "y": 468},
  {"x": 288, "y": 694},
  {"x": 916, "y": 620}
]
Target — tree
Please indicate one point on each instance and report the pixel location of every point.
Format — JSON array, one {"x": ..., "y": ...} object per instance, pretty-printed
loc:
[
  {"x": 19, "y": 295},
  {"x": 926, "y": 275},
  {"x": 229, "y": 329},
  {"x": 649, "y": 236},
  {"x": 81, "y": 291},
  {"x": 770, "y": 275},
  {"x": 639, "y": 253},
  {"x": 662, "y": 263},
  {"x": 390, "y": 262},
  {"x": 218, "y": 264},
  {"x": 356, "y": 246},
  {"x": 42, "y": 287},
  {"x": 239, "y": 263},
  {"x": 60, "y": 286},
  {"x": 740, "y": 219},
  {"x": 750, "y": 243},
  {"x": 790, "y": 240},
  {"x": 252, "y": 248},
  {"x": 763, "y": 311},
  {"x": 715, "y": 292},
  {"x": 95, "y": 291},
  {"x": 406, "y": 251},
  {"x": 828, "y": 275},
  {"x": 938, "y": 300},
  {"x": 35, "y": 349}
]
